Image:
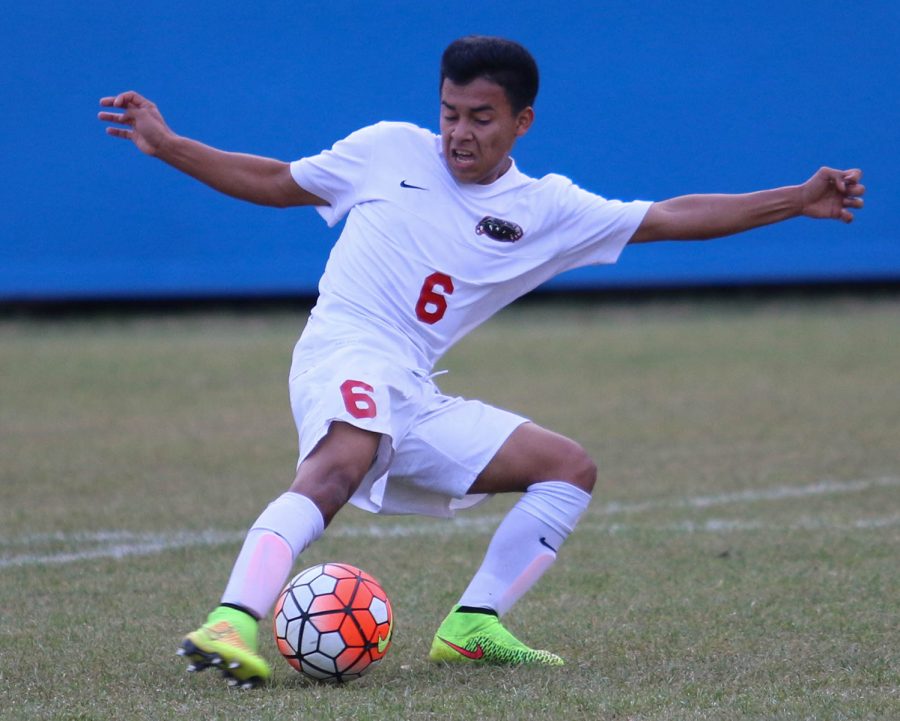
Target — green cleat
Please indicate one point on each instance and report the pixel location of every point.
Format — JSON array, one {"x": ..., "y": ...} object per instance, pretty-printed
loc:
[
  {"x": 480, "y": 637},
  {"x": 227, "y": 641}
]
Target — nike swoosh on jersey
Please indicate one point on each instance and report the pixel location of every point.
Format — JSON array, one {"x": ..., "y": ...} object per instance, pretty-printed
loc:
[
  {"x": 543, "y": 542},
  {"x": 475, "y": 655},
  {"x": 404, "y": 184}
]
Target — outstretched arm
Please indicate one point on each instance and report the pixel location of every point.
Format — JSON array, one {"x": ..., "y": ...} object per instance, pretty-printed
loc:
[
  {"x": 827, "y": 194},
  {"x": 254, "y": 178}
]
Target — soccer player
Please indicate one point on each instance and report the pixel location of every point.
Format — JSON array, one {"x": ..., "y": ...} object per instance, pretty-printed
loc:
[{"x": 441, "y": 232}]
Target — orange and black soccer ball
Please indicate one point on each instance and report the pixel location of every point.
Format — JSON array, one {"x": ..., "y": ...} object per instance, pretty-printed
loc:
[{"x": 333, "y": 622}]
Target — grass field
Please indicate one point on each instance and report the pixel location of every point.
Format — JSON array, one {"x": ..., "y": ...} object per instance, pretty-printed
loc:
[{"x": 741, "y": 558}]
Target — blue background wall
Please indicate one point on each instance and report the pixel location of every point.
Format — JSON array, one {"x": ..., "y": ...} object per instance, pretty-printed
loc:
[{"x": 639, "y": 100}]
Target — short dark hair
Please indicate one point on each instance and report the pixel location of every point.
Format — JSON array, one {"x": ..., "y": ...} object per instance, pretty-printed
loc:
[{"x": 504, "y": 62}]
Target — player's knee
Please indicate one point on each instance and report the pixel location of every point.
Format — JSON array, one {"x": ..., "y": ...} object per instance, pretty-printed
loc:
[
  {"x": 573, "y": 464},
  {"x": 329, "y": 490},
  {"x": 330, "y": 475},
  {"x": 338, "y": 486},
  {"x": 581, "y": 469}
]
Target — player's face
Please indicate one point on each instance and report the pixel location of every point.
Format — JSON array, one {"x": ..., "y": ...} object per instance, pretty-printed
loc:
[{"x": 479, "y": 129}]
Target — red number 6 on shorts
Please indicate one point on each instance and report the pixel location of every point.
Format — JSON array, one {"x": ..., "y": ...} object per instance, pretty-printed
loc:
[{"x": 357, "y": 400}]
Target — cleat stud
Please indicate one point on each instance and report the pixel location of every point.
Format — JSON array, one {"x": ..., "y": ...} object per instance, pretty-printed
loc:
[
  {"x": 181, "y": 652},
  {"x": 233, "y": 665},
  {"x": 247, "y": 685}
]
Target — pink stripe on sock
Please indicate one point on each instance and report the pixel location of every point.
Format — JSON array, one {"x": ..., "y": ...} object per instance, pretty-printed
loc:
[{"x": 260, "y": 572}]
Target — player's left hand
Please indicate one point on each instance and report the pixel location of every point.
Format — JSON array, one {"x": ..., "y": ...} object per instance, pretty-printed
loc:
[
  {"x": 137, "y": 119},
  {"x": 833, "y": 193}
]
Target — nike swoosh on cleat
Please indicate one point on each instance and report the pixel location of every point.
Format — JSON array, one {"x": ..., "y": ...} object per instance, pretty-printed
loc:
[
  {"x": 543, "y": 542},
  {"x": 226, "y": 634},
  {"x": 404, "y": 184},
  {"x": 475, "y": 655}
]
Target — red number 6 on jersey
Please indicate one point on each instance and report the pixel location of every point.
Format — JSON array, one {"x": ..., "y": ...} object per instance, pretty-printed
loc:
[{"x": 432, "y": 299}]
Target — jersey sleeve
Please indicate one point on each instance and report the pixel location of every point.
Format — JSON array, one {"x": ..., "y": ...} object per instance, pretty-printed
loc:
[
  {"x": 339, "y": 175},
  {"x": 592, "y": 229}
]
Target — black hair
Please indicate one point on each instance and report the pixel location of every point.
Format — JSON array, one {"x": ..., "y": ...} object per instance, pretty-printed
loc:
[{"x": 504, "y": 62}]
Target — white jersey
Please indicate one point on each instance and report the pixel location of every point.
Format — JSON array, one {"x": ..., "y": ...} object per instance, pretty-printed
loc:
[{"x": 424, "y": 259}]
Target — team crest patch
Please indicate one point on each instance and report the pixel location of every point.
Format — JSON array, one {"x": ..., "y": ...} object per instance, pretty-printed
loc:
[{"x": 498, "y": 229}]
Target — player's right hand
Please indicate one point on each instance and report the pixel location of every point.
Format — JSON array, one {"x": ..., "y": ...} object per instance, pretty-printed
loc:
[
  {"x": 831, "y": 193},
  {"x": 137, "y": 119}
]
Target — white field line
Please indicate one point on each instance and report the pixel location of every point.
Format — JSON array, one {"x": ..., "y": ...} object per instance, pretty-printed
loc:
[
  {"x": 730, "y": 525},
  {"x": 755, "y": 495},
  {"x": 122, "y": 544}
]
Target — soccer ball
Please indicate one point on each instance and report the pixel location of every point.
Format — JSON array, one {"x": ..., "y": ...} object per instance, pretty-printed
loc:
[{"x": 333, "y": 622}]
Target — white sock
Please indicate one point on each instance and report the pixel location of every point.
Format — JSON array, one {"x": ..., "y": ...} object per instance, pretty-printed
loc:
[
  {"x": 525, "y": 544},
  {"x": 287, "y": 526}
]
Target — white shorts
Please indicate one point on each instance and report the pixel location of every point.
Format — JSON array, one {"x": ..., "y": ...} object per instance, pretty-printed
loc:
[{"x": 432, "y": 447}]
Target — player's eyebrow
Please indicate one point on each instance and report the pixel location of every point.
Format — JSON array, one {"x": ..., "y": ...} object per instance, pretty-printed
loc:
[{"x": 479, "y": 109}]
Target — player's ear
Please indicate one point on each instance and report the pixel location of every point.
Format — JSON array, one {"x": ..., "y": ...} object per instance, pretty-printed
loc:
[{"x": 524, "y": 120}]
